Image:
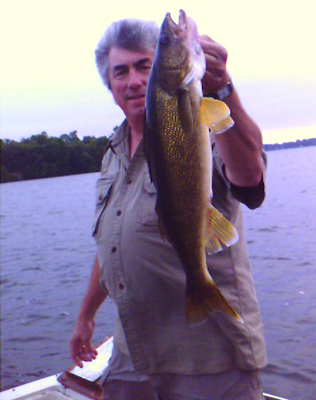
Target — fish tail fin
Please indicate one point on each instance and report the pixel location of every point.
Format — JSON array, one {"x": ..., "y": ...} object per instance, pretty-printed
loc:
[
  {"x": 219, "y": 231},
  {"x": 202, "y": 300}
]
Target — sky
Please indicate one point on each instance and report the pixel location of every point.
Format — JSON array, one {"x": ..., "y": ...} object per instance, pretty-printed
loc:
[{"x": 49, "y": 81}]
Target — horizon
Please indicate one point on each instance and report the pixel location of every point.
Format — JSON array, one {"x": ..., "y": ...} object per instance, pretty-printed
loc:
[
  {"x": 270, "y": 136},
  {"x": 50, "y": 82}
]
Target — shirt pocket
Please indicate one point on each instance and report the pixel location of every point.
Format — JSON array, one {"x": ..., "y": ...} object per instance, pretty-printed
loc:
[
  {"x": 103, "y": 193},
  {"x": 147, "y": 214}
]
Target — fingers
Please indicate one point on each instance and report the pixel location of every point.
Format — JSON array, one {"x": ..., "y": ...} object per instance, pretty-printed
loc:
[
  {"x": 76, "y": 352},
  {"x": 87, "y": 353},
  {"x": 214, "y": 67},
  {"x": 90, "y": 351},
  {"x": 206, "y": 38},
  {"x": 80, "y": 352},
  {"x": 216, "y": 74},
  {"x": 81, "y": 349},
  {"x": 210, "y": 46},
  {"x": 210, "y": 83},
  {"x": 214, "y": 52}
]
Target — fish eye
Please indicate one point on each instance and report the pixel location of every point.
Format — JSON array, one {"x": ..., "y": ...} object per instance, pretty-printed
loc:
[{"x": 164, "y": 39}]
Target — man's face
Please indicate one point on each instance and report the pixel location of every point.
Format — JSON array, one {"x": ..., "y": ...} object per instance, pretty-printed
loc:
[{"x": 128, "y": 76}]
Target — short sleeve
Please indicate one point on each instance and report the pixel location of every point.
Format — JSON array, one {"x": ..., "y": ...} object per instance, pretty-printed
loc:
[{"x": 251, "y": 196}]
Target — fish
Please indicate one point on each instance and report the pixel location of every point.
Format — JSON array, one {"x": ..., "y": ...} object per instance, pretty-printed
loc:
[{"x": 178, "y": 151}]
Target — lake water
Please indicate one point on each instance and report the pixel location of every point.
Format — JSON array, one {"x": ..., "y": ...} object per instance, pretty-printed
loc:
[{"x": 47, "y": 252}]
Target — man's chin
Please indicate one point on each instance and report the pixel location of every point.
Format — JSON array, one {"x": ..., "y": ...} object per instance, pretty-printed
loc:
[{"x": 138, "y": 109}]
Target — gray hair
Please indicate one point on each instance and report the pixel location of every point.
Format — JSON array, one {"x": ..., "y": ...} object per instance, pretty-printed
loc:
[{"x": 128, "y": 34}]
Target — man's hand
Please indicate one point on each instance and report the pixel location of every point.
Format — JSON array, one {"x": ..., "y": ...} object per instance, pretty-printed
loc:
[
  {"x": 240, "y": 147},
  {"x": 216, "y": 75},
  {"x": 81, "y": 348}
]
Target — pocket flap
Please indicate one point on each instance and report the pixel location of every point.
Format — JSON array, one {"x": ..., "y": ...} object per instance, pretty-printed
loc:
[
  {"x": 103, "y": 191},
  {"x": 103, "y": 188}
]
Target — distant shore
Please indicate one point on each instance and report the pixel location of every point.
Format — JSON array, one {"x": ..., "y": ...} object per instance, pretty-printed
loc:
[
  {"x": 41, "y": 156},
  {"x": 290, "y": 145}
]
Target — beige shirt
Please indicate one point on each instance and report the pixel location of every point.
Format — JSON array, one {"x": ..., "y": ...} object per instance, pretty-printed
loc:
[{"x": 146, "y": 280}]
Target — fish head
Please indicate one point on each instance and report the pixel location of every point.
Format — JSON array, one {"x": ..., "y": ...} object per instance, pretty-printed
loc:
[{"x": 179, "y": 58}]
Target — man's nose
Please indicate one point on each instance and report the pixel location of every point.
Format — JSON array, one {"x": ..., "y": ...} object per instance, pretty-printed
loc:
[{"x": 134, "y": 79}]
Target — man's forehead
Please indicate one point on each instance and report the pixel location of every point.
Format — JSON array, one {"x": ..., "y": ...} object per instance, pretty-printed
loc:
[{"x": 122, "y": 57}]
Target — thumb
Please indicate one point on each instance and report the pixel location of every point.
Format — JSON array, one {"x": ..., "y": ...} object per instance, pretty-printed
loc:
[{"x": 206, "y": 39}]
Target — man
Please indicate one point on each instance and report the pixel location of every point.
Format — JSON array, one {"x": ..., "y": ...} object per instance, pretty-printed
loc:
[{"x": 156, "y": 354}]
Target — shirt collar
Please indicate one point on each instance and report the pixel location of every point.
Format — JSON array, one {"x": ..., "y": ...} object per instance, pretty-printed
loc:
[{"x": 119, "y": 144}]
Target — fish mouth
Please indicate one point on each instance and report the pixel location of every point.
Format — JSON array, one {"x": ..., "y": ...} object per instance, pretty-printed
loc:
[
  {"x": 183, "y": 21},
  {"x": 185, "y": 29},
  {"x": 170, "y": 24},
  {"x": 175, "y": 34},
  {"x": 184, "y": 37}
]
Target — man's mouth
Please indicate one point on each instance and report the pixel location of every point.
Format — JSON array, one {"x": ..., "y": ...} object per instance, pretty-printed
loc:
[{"x": 135, "y": 96}]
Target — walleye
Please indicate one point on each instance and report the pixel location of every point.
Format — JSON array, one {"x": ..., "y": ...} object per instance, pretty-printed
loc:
[{"x": 178, "y": 152}]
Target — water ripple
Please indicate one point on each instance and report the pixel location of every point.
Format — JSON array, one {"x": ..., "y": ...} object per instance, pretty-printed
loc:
[{"x": 42, "y": 289}]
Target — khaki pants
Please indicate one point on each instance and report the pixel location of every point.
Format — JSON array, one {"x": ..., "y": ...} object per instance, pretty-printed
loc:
[{"x": 121, "y": 382}]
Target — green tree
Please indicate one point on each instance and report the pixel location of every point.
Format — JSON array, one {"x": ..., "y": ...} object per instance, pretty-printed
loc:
[{"x": 42, "y": 156}]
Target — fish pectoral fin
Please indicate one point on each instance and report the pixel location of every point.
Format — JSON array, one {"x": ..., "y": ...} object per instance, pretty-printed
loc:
[
  {"x": 185, "y": 109},
  {"x": 203, "y": 299},
  {"x": 219, "y": 231},
  {"x": 222, "y": 126},
  {"x": 214, "y": 113}
]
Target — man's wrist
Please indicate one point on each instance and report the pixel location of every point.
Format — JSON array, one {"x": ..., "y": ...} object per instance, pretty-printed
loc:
[
  {"x": 224, "y": 92},
  {"x": 85, "y": 318}
]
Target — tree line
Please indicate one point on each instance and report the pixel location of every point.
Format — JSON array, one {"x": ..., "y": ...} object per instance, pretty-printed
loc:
[
  {"x": 42, "y": 156},
  {"x": 291, "y": 145}
]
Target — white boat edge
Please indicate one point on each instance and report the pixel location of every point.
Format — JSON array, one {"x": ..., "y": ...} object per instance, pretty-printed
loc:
[
  {"x": 32, "y": 388},
  {"x": 50, "y": 389}
]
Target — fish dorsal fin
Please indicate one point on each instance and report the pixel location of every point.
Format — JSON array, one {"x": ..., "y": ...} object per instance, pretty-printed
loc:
[
  {"x": 219, "y": 232},
  {"x": 215, "y": 114}
]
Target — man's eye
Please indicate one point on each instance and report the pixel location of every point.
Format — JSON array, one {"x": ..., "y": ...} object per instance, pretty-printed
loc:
[
  {"x": 119, "y": 73},
  {"x": 145, "y": 67}
]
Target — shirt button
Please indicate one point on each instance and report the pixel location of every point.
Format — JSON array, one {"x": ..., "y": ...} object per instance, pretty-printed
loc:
[
  {"x": 121, "y": 286},
  {"x": 114, "y": 249},
  {"x": 129, "y": 181},
  {"x": 118, "y": 213}
]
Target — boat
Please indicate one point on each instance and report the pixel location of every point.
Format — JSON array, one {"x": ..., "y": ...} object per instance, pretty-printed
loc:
[{"x": 75, "y": 383}]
